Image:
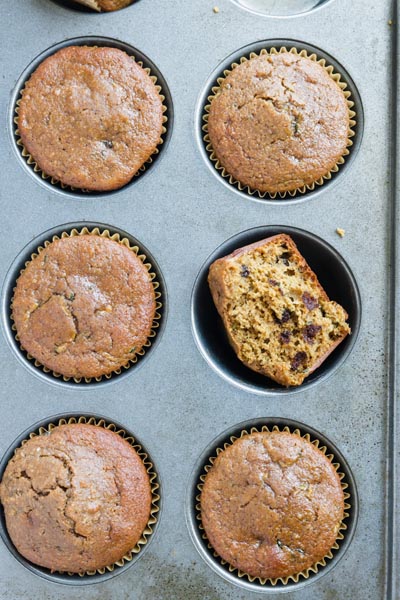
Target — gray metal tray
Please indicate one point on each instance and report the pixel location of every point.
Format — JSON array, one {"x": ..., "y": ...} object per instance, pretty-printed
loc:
[{"x": 175, "y": 403}]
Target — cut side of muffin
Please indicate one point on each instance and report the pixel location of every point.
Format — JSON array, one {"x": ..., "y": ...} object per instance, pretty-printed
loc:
[
  {"x": 278, "y": 318},
  {"x": 77, "y": 499},
  {"x": 272, "y": 504}
]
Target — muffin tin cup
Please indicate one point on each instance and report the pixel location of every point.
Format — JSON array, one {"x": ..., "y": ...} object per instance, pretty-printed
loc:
[
  {"x": 42, "y": 428},
  {"x": 234, "y": 575},
  {"x": 28, "y": 162},
  {"x": 335, "y": 277},
  {"x": 265, "y": 47},
  {"x": 32, "y": 250},
  {"x": 285, "y": 9}
]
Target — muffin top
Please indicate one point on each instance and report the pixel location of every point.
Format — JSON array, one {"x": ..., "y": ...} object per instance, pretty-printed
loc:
[
  {"x": 106, "y": 5},
  {"x": 90, "y": 117},
  {"x": 272, "y": 504},
  {"x": 84, "y": 306},
  {"x": 278, "y": 122},
  {"x": 77, "y": 499}
]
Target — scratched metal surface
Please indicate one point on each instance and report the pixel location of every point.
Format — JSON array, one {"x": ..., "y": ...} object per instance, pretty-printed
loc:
[{"x": 175, "y": 403}]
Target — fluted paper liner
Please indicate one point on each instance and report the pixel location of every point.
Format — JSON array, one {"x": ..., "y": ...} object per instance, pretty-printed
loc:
[
  {"x": 301, "y": 190},
  {"x": 154, "y": 486},
  {"x": 30, "y": 160},
  {"x": 342, "y": 527},
  {"x": 157, "y": 315}
]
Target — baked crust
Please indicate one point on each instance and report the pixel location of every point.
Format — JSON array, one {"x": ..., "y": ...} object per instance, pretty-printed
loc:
[
  {"x": 278, "y": 122},
  {"x": 272, "y": 504},
  {"x": 77, "y": 499},
  {"x": 84, "y": 306},
  {"x": 90, "y": 117}
]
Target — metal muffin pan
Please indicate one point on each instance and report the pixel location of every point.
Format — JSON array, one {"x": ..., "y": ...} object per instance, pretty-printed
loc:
[
  {"x": 65, "y": 578},
  {"x": 202, "y": 545},
  {"x": 183, "y": 213},
  {"x": 91, "y": 41},
  {"x": 8, "y": 290},
  {"x": 335, "y": 277},
  {"x": 256, "y": 47},
  {"x": 280, "y": 8}
]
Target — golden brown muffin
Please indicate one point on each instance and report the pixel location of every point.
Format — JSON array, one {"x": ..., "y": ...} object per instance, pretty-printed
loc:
[
  {"x": 84, "y": 306},
  {"x": 277, "y": 316},
  {"x": 77, "y": 499},
  {"x": 90, "y": 117},
  {"x": 105, "y": 5},
  {"x": 278, "y": 122},
  {"x": 272, "y": 504}
]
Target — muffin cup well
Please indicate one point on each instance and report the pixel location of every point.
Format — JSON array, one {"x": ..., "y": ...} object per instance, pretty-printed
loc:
[
  {"x": 72, "y": 230},
  {"x": 335, "y": 71},
  {"x": 209, "y": 333},
  {"x": 222, "y": 567},
  {"x": 43, "y": 428},
  {"x": 28, "y": 160}
]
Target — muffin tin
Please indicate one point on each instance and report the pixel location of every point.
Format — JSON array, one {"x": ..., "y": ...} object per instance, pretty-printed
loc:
[{"x": 176, "y": 402}]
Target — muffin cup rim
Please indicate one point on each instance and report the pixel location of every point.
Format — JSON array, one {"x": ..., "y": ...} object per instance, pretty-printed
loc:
[
  {"x": 90, "y": 40},
  {"x": 76, "y": 580},
  {"x": 14, "y": 271},
  {"x": 192, "y": 491},
  {"x": 252, "y": 388},
  {"x": 256, "y": 47},
  {"x": 305, "y": 13}
]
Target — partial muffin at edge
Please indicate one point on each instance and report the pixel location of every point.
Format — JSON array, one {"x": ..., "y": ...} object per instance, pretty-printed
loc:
[
  {"x": 76, "y": 500},
  {"x": 272, "y": 504},
  {"x": 90, "y": 117},
  {"x": 279, "y": 122},
  {"x": 84, "y": 306}
]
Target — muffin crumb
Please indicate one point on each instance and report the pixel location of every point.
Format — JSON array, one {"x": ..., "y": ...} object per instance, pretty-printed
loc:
[
  {"x": 341, "y": 232},
  {"x": 216, "y": 9}
]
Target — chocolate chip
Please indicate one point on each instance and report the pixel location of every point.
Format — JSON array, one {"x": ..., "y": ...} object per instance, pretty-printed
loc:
[
  {"x": 273, "y": 282},
  {"x": 285, "y": 337},
  {"x": 244, "y": 271},
  {"x": 284, "y": 257},
  {"x": 299, "y": 358},
  {"x": 309, "y": 333},
  {"x": 284, "y": 317},
  {"x": 309, "y": 301},
  {"x": 108, "y": 144}
]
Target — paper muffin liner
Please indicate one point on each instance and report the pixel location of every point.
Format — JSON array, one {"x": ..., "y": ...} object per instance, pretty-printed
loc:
[
  {"x": 154, "y": 485},
  {"x": 156, "y": 319},
  {"x": 215, "y": 90},
  {"x": 30, "y": 160},
  {"x": 305, "y": 574}
]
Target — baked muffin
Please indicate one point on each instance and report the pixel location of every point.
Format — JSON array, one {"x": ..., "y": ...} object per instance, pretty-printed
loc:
[
  {"x": 90, "y": 117},
  {"x": 105, "y": 5},
  {"x": 278, "y": 318},
  {"x": 84, "y": 306},
  {"x": 278, "y": 122},
  {"x": 272, "y": 504},
  {"x": 77, "y": 499}
]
